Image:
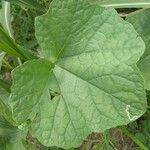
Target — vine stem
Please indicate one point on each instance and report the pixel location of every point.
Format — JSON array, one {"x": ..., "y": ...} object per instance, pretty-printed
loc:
[{"x": 133, "y": 138}]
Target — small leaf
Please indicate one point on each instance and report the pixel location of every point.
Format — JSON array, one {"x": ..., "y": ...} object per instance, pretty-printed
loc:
[
  {"x": 141, "y": 21},
  {"x": 94, "y": 54}
]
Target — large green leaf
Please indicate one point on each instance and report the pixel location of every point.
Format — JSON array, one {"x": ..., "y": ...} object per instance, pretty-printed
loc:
[
  {"x": 141, "y": 22},
  {"x": 122, "y": 3},
  {"x": 93, "y": 84}
]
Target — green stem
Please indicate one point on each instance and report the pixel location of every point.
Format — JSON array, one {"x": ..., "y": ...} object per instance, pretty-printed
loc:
[
  {"x": 133, "y": 138},
  {"x": 5, "y": 85}
]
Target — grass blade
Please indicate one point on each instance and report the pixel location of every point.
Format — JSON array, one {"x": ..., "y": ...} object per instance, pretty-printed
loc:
[{"x": 8, "y": 45}]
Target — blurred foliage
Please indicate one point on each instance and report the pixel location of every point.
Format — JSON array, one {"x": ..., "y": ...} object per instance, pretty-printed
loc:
[{"x": 23, "y": 24}]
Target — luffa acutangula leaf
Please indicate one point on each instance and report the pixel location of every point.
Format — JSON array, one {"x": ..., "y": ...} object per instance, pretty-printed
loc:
[{"x": 88, "y": 57}]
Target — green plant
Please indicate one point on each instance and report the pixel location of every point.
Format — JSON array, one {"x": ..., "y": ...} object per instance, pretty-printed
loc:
[{"x": 84, "y": 79}]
